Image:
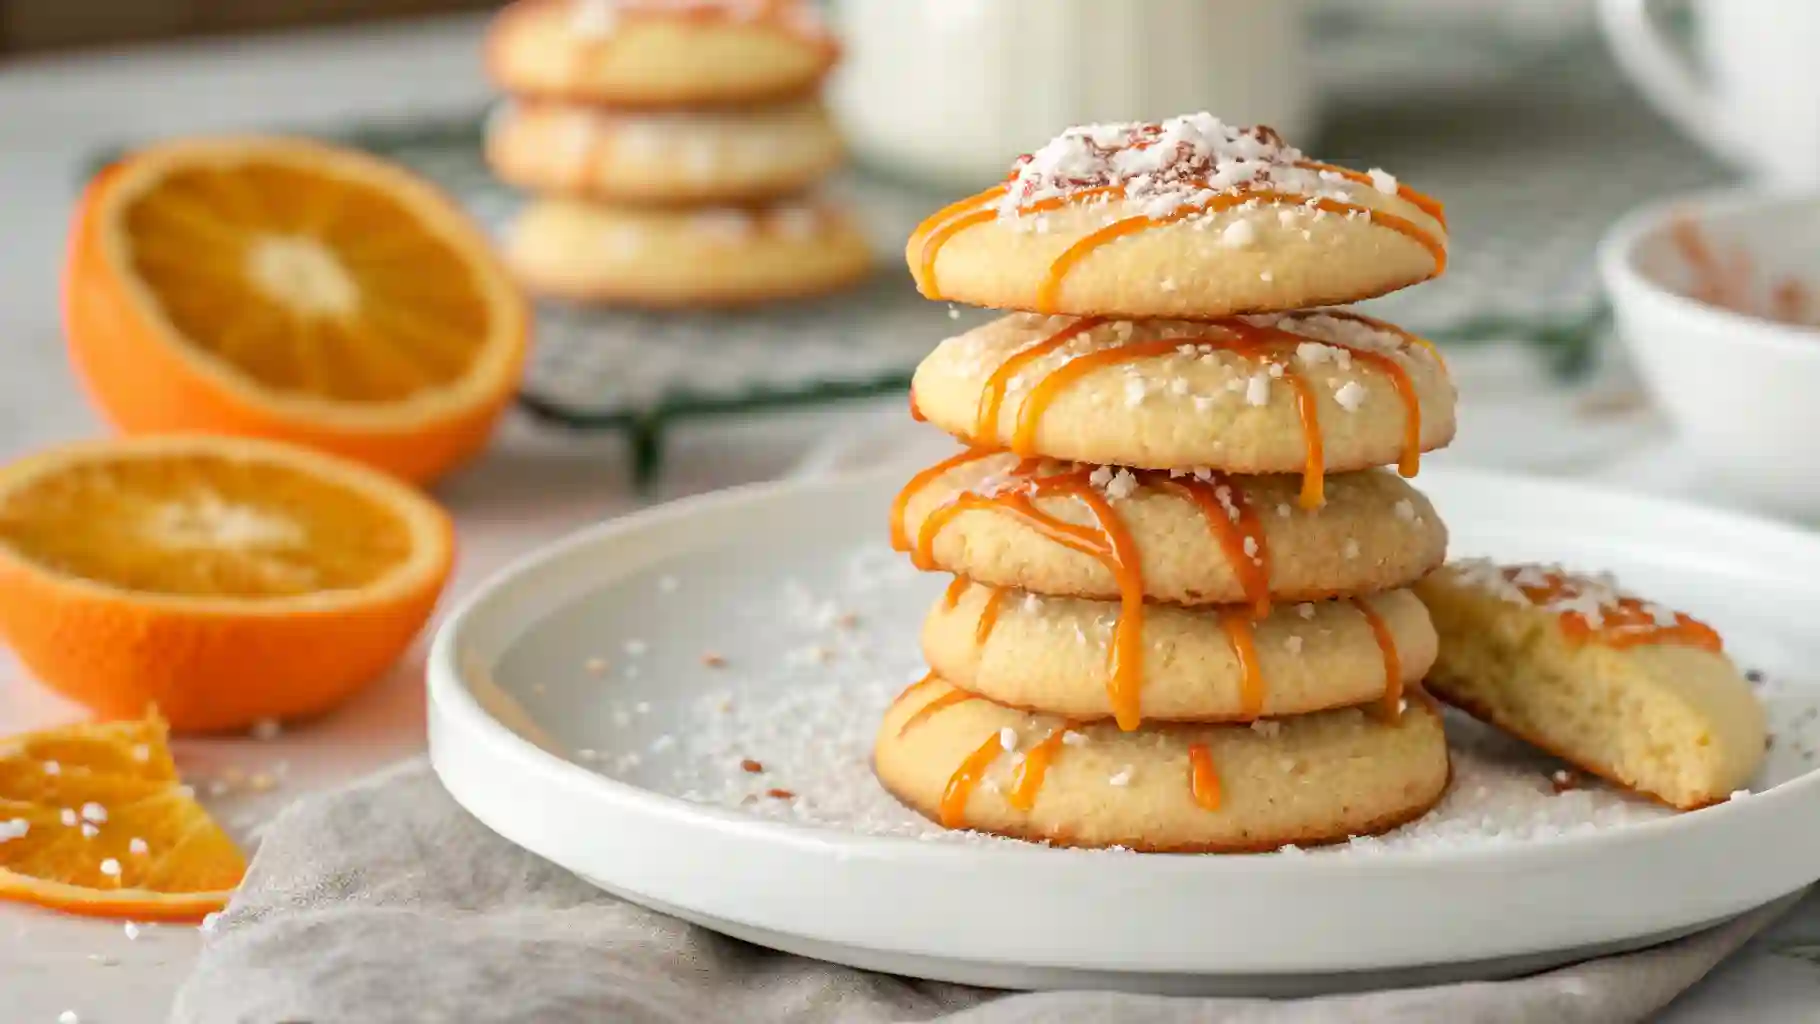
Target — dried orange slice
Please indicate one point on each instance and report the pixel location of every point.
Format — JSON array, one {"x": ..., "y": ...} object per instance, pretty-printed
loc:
[
  {"x": 291, "y": 290},
  {"x": 223, "y": 580},
  {"x": 94, "y": 821}
]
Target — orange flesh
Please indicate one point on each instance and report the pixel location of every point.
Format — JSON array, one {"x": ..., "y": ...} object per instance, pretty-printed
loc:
[
  {"x": 202, "y": 525},
  {"x": 310, "y": 284},
  {"x": 99, "y": 825}
]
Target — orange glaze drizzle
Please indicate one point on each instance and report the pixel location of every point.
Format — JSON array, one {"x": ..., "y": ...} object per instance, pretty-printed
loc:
[
  {"x": 900, "y": 538},
  {"x": 1109, "y": 542},
  {"x": 1249, "y": 341},
  {"x": 1203, "y": 780},
  {"x": 1028, "y": 780},
  {"x": 1409, "y": 463},
  {"x": 916, "y": 411},
  {"x": 1629, "y": 623},
  {"x": 964, "y": 779},
  {"x": 1314, "y": 459},
  {"x": 992, "y": 397},
  {"x": 1036, "y": 403},
  {"x": 988, "y": 616},
  {"x": 939, "y": 217},
  {"x": 1392, "y": 706},
  {"x": 1407, "y": 337},
  {"x": 1070, "y": 257},
  {"x": 920, "y": 685},
  {"x": 1061, "y": 265},
  {"x": 939, "y": 237},
  {"x": 1241, "y": 633},
  {"x": 1240, "y": 536},
  {"x": 942, "y": 703},
  {"x": 1117, "y": 550},
  {"x": 952, "y": 595},
  {"x": 1420, "y": 200}
]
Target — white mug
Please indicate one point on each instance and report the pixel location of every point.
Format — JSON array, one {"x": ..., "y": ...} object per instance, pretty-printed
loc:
[
  {"x": 952, "y": 91},
  {"x": 1755, "y": 99}
]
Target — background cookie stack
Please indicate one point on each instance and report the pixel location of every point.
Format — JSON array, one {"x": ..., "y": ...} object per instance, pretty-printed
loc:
[
  {"x": 1179, "y": 619},
  {"x": 674, "y": 146}
]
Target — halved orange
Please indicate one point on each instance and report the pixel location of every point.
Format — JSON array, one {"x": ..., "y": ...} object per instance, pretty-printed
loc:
[
  {"x": 287, "y": 289},
  {"x": 222, "y": 580},
  {"x": 93, "y": 820}
]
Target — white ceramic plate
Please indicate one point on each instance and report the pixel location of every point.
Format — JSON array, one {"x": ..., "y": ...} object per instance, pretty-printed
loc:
[{"x": 572, "y": 696}]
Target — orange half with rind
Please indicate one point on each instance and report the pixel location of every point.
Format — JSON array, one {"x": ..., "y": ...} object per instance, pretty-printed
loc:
[
  {"x": 222, "y": 580},
  {"x": 287, "y": 289}
]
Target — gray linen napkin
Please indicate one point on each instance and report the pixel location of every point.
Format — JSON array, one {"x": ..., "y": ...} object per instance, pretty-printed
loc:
[{"x": 386, "y": 902}]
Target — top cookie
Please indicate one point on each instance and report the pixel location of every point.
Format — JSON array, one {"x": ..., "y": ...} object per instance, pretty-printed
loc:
[
  {"x": 659, "y": 53},
  {"x": 1191, "y": 218}
]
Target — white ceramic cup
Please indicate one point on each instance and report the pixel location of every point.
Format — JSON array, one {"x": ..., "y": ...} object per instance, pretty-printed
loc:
[
  {"x": 1751, "y": 95},
  {"x": 950, "y": 92}
]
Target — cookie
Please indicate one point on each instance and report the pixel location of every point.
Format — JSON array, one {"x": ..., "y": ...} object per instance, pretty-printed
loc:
[
  {"x": 1202, "y": 665},
  {"x": 579, "y": 252},
  {"x": 1618, "y": 686},
  {"x": 966, "y": 762},
  {"x": 1188, "y": 218},
  {"x": 1194, "y": 539},
  {"x": 1312, "y": 393},
  {"x": 659, "y": 53},
  {"x": 680, "y": 158}
]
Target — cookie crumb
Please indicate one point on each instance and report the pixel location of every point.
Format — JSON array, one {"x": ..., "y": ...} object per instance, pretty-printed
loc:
[
  {"x": 780, "y": 794},
  {"x": 751, "y": 766},
  {"x": 713, "y": 660}
]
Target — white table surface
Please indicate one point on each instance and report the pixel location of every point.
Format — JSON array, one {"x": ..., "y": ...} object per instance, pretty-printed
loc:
[{"x": 531, "y": 487}]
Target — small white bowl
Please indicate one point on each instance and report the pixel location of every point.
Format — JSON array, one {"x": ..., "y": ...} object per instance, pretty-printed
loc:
[{"x": 1743, "y": 390}]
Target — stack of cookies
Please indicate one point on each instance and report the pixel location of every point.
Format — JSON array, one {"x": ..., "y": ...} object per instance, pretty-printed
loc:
[
  {"x": 1180, "y": 618},
  {"x": 674, "y": 147}
]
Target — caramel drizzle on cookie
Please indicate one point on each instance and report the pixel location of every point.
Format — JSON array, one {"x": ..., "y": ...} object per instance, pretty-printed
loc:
[
  {"x": 953, "y": 809},
  {"x": 1269, "y": 345},
  {"x": 900, "y": 540},
  {"x": 935, "y": 232},
  {"x": 1033, "y": 770},
  {"x": 1621, "y": 622},
  {"x": 1390, "y": 707},
  {"x": 1223, "y": 505},
  {"x": 1109, "y": 541},
  {"x": 1203, "y": 779},
  {"x": 1027, "y": 782}
]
